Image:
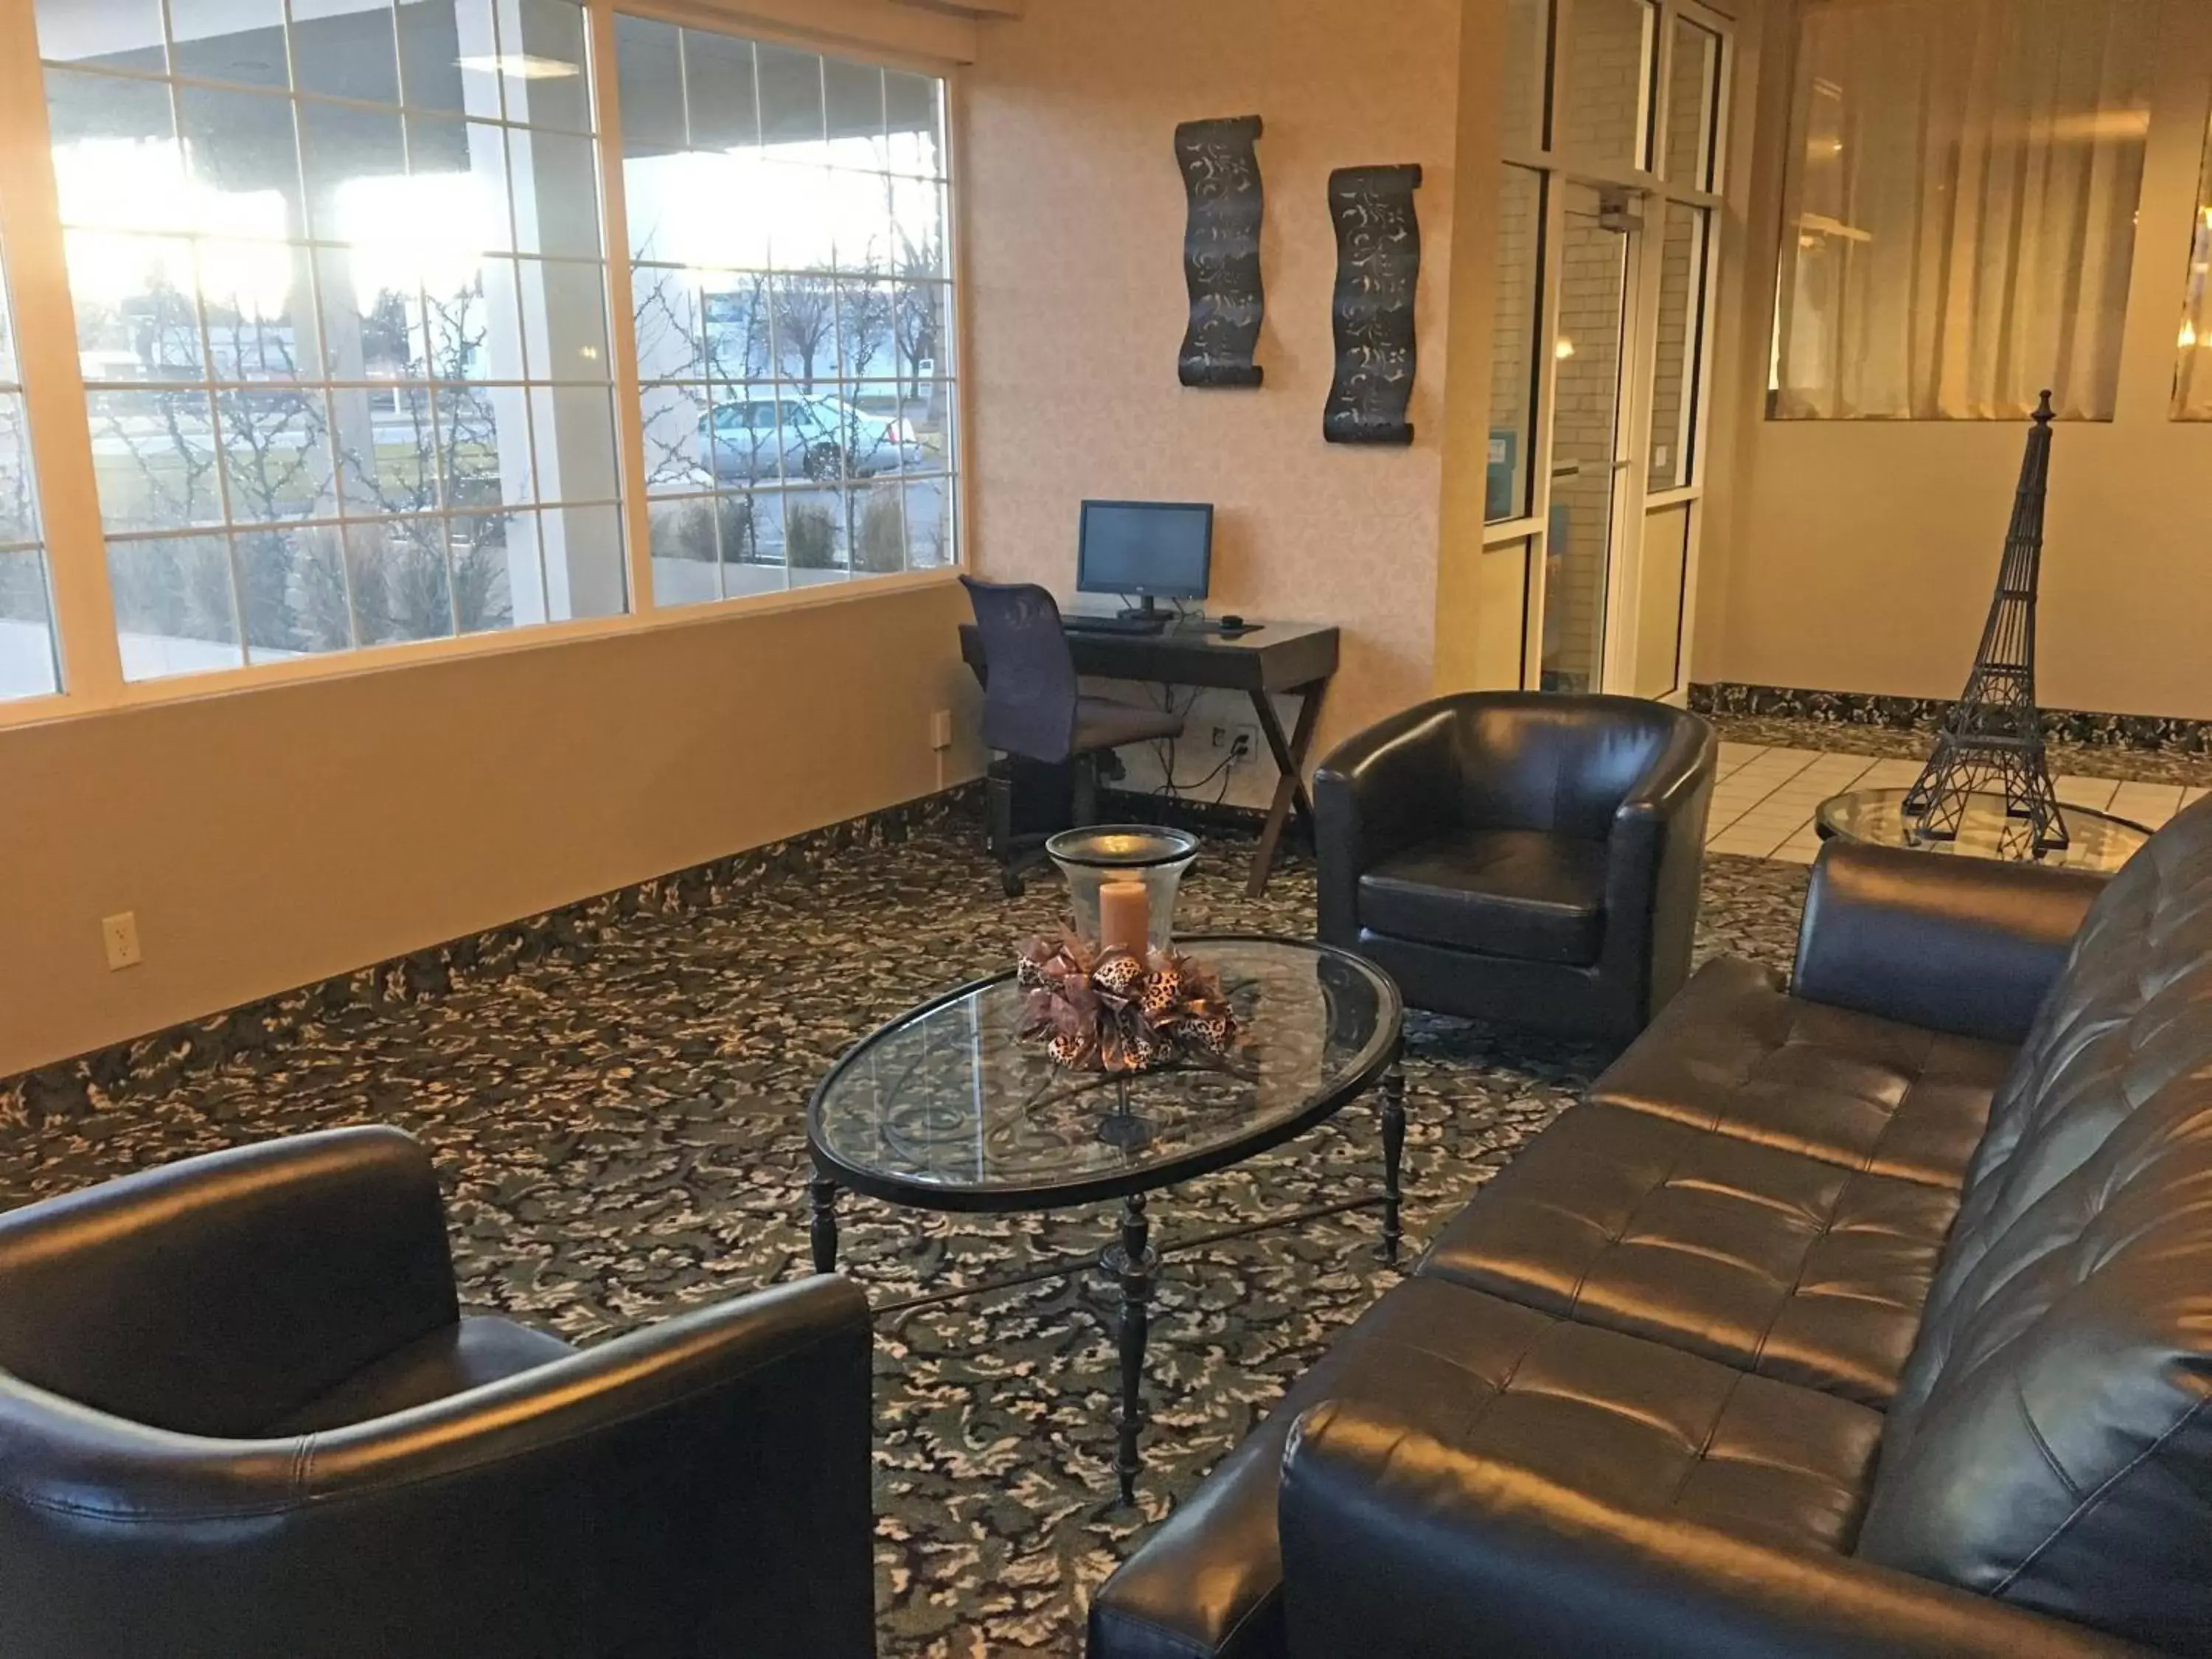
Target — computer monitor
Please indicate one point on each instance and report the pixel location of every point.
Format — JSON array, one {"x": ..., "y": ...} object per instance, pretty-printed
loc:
[{"x": 1154, "y": 550}]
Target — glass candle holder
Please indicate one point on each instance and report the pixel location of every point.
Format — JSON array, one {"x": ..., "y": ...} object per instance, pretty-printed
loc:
[{"x": 1121, "y": 881}]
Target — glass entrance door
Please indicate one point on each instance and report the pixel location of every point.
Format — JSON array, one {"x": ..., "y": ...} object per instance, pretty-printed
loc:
[
  {"x": 1614, "y": 114},
  {"x": 1590, "y": 347}
]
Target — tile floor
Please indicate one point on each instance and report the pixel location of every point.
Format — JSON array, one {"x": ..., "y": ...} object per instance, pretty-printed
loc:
[{"x": 1764, "y": 802}]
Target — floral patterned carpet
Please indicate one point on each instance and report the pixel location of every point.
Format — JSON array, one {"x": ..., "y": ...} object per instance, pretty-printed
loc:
[{"x": 618, "y": 1119}]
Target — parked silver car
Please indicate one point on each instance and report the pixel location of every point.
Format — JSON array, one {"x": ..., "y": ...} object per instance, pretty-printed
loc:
[{"x": 809, "y": 436}]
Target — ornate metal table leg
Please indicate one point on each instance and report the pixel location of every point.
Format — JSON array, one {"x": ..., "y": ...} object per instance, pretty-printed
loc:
[
  {"x": 1131, "y": 1262},
  {"x": 823, "y": 1229},
  {"x": 1393, "y": 1157}
]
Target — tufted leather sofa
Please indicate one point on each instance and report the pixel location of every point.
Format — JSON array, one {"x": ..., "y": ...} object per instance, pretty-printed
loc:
[
  {"x": 1869, "y": 1318},
  {"x": 241, "y": 1416}
]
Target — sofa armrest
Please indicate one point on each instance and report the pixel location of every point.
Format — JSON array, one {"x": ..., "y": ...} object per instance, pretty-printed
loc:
[
  {"x": 1964, "y": 945},
  {"x": 1398, "y": 1546},
  {"x": 1376, "y": 794},
  {"x": 698, "y": 1486}
]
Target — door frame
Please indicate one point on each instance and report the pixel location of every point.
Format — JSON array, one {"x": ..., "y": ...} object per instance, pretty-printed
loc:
[{"x": 1648, "y": 194}]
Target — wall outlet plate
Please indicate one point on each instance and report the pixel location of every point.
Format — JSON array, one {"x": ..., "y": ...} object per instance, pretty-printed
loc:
[
  {"x": 1237, "y": 743},
  {"x": 119, "y": 936},
  {"x": 940, "y": 729}
]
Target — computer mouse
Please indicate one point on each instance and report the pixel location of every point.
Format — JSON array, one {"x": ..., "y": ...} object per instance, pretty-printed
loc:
[{"x": 1232, "y": 624}]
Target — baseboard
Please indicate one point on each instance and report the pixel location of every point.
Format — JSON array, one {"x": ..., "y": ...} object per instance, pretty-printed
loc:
[
  {"x": 1179, "y": 813},
  {"x": 72, "y": 1088},
  {"x": 2153, "y": 734}
]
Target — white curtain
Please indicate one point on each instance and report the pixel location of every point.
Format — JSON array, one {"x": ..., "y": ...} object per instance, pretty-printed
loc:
[{"x": 1960, "y": 210}]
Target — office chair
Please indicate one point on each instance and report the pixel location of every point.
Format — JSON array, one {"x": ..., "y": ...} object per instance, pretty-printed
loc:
[
  {"x": 244, "y": 1415},
  {"x": 1035, "y": 710}
]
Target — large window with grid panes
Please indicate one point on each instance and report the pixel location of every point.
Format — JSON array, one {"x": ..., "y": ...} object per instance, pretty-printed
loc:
[{"x": 402, "y": 324}]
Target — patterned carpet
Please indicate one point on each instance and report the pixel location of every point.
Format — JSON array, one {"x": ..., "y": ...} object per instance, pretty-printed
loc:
[{"x": 618, "y": 1123}]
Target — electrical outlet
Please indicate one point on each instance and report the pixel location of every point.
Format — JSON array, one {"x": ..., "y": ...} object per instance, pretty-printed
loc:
[
  {"x": 940, "y": 729},
  {"x": 119, "y": 935},
  {"x": 1236, "y": 744}
]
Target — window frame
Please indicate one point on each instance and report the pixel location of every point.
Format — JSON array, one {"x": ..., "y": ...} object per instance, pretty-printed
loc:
[{"x": 57, "y": 403}]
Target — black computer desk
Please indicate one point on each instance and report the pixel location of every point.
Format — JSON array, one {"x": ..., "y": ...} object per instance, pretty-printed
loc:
[{"x": 1268, "y": 659}]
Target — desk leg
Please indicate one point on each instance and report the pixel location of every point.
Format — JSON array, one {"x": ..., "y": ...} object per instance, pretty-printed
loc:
[{"x": 1290, "y": 782}]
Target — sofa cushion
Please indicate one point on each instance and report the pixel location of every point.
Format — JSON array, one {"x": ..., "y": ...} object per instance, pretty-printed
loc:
[
  {"x": 451, "y": 1360},
  {"x": 1609, "y": 1414},
  {"x": 1520, "y": 893},
  {"x": 1778, "y": 1264},
  {"x": 1733, "y": 1054},
  {"x": 2050, "y": 1443}
]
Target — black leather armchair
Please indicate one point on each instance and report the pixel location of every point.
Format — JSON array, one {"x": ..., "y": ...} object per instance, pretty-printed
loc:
[
  {"x": 241, "y": 1415},
  {"x": 1521, "y": 857}
]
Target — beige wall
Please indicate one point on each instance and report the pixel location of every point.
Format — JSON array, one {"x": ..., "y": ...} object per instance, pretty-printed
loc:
[
  {"x": 1074, "y": 212},
  {"x": 267, "y": 838},
  {"x": 1860, "y": 555}
]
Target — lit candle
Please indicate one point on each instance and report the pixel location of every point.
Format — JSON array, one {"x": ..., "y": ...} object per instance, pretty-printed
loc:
[{"x": 1124, "y": 917}]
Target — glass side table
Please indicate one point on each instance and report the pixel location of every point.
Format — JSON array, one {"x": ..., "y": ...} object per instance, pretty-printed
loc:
[{"x": 2097, "y": 841}]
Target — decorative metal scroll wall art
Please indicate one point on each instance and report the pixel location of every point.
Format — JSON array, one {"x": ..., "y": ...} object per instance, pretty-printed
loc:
[
  {"x": 1379, "y": 267},
  {"x": 1221, "y": 251}
]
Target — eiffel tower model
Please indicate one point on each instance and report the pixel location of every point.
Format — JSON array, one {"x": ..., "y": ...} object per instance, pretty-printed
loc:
[{"x": 1992, "y": 742}]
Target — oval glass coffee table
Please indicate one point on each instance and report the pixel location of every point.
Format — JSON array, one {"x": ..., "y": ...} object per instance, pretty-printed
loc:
[{"x": 947, "y": 1109}]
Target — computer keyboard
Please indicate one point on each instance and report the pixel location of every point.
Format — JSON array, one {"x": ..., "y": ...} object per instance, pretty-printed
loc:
[{"x": 1115, "y": 624}]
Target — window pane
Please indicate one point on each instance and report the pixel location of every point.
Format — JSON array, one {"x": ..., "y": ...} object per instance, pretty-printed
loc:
[
  {"x": 791, "y": 124},
  {"x": 1960, "y": 196},
  {"x": 1676, "y": 376},
  {"x": 928, "y": 522},
  {"x": 866, "y": 316},
  {"x": 1605, "y": 83},
  {"x": 276, "y": 455},
  {"x": 156, "y": 456},
  {"x": 853, "y": 98},
  {"x": 1694, "y": 84},
  {"x": 176, "y": 611},
  {"x": 542, "y": 64},
  {"x": 307, "y": 339},
  {"x": 402, "y": 589},
  {"x": 126, "y": 34},
  {"x": 28, "y": 663},
  {"x": 2192, "y": 381},
  {"x": 346, "y": 49},
  {"x": 649, "y": 75},
  {"x": 720, "y": 103},
  {"x": 240, "y": 40},
  {"x": 803, "y": 315},
  {"x": 1524, "y": 71},
  {"x": 293, "y": 586},
  {"x": 449, "y": 56},
  {"x": 913, "y": 111},
  {"x": 1518, "y": 308}
]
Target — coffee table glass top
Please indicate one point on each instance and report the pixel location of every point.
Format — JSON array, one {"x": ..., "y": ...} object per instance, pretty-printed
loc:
[
  {"x": 947, "y": 1108},
  {"x": 2095, "y": 840}
]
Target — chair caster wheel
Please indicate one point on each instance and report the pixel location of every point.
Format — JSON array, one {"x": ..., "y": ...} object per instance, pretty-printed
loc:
[{"x": 1013, "y": 884}]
